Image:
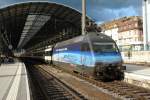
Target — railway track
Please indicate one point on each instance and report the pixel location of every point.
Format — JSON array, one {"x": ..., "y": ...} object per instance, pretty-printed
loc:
[
  {"x": 50, "y": 87},
  {"x": 122, "y": 89},
  {"x": 118, "y": 89},
  {"x": 131, "y": 91}
]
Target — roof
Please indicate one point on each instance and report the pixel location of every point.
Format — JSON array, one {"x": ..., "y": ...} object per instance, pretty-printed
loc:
[
  {"x": 119, "y": 22},
  {"x": 26, "y": 24}
]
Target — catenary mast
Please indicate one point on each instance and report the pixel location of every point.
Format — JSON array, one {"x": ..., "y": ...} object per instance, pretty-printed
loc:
[
  {"x": 83, "y": 17},
  {"x": 146, "y": 24}
]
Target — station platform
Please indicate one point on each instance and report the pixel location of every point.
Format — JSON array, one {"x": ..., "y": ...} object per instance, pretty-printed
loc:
[
  {"x": 138, "y": 75},
  {"x": 14, "y": 82}
]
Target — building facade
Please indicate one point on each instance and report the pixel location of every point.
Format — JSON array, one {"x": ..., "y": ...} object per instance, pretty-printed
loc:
[
  {"x": 130, "y": 34},
  {"x": 126, "y": 31},
  {"x": 110, "y": 29}
]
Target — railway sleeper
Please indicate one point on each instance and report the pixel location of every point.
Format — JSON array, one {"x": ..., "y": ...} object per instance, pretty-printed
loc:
[
  {"x": 65, "y": 95},
  {"x": 131, "y": 97},
  {"x": 54, "y": 92},
  {"x": 143, "y": 94}
]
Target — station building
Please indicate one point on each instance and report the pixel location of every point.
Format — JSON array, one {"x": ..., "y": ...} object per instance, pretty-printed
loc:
[{"x": 126, "y": 31}]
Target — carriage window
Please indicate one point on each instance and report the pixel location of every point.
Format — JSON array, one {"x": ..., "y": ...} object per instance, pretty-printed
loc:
[{"x": 105, "y": 47}]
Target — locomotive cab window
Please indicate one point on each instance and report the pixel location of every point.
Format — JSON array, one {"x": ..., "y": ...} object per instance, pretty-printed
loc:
[{"x": 104, "y": 47}]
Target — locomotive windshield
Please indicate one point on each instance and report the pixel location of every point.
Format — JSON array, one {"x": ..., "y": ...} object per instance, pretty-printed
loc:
[{"x": 104, "y": 47}]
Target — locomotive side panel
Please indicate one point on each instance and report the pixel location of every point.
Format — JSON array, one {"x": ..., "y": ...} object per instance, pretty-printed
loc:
[
  {"x": 74, "y": 57},
  {"x": 68, "y": 56}
]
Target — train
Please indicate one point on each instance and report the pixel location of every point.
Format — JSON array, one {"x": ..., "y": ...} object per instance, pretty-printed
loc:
[{"x": 94, "y": 55}]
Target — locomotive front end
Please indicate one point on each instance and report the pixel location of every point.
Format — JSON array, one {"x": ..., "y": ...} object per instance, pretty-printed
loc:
[{"x": 108, "y": 61}]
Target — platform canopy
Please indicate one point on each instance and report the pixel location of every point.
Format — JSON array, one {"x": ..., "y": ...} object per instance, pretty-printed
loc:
[{"x": 23, "y": 25}]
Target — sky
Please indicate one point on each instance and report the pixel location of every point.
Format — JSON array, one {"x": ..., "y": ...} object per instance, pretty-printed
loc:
[{"x": 99, "y": 10}]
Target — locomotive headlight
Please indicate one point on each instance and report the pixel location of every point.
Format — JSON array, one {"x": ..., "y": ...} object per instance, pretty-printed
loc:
[{"x": 119, "y": 65}]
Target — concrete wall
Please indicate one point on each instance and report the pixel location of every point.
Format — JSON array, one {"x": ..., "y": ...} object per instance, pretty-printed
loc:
[{"x": 136, "y": 57}]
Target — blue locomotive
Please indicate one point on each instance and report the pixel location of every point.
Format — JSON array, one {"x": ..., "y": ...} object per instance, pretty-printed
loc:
[{"x": 94, "y": 55}]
